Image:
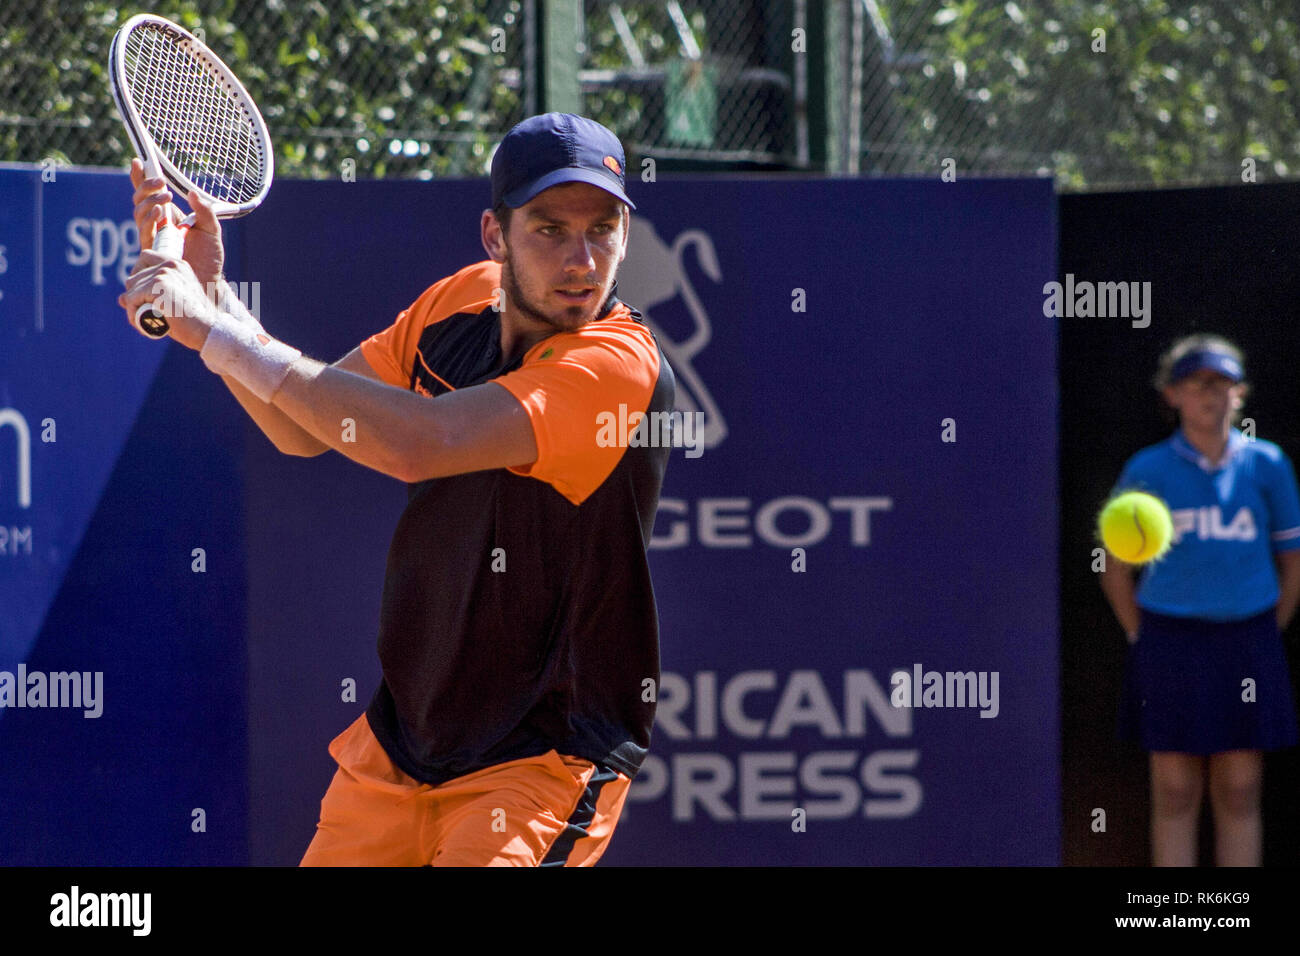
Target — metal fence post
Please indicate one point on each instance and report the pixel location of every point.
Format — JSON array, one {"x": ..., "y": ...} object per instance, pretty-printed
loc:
[
  {"x": 827, "y": 49},
  {"x": 560, "y": 39}
]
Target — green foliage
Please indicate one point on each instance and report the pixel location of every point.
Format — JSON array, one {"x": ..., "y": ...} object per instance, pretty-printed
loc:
[
  {"x": 1183, "y": 92},
  {"x": 336, "y": 83}
]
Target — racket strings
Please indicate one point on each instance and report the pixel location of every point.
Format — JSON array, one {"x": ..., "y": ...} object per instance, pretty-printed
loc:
[{"x": 201, "y": 126}]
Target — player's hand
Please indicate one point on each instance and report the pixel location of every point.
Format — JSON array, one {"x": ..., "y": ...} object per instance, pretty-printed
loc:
[
  {"x": 172, "y": 289},
  {"x": 203, "y": 248}
]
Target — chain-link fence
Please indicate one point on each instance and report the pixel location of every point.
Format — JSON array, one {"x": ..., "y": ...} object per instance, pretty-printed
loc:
[
  {"x": 412, "y": 89},
  {"x": 375, "y": 88},
  {"x": 1095, "y": 94},
  {"x": 1138, "y": 93},
  {"x": 703, "y": 81}
]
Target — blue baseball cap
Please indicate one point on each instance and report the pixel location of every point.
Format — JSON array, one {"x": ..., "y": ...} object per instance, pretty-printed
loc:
[
  {"x": 1213, "y": 359},
  {"x": 553, "y": 148}
]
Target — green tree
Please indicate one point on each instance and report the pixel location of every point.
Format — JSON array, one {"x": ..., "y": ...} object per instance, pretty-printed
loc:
[
  {"x": 1183, "y": 92},
  {"x": 394, "y": 88},
  {"x": 1180, "y": 92}
]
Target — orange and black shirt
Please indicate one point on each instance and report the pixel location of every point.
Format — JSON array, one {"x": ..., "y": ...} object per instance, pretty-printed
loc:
[{"x": 518, "y": 614}]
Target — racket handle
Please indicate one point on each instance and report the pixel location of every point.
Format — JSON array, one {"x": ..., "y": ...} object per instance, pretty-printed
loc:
[{"x": 170, "y": 242}]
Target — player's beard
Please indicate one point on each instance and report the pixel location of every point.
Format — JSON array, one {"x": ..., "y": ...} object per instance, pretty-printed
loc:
[{"x": 575, "y": 315}]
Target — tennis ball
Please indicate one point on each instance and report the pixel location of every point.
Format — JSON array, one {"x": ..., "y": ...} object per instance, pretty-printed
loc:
[{"x": 1136, "y": 527}]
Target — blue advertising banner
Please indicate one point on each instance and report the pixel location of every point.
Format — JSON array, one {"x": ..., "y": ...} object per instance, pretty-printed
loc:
[
  {"x": 877, "y": 392},
  {"x": 122, "y": 655},
  {"x": 881, "y": 390},
  {"x": 855, "y": 566}
]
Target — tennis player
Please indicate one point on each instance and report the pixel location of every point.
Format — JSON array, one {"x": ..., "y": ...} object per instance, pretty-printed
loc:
[
  {"x": 1207, "y": 689},
  {"x": 518, "y": 634}
]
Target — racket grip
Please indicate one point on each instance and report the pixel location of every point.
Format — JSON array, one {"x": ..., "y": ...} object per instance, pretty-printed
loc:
[{"x": 170, "y": 242}]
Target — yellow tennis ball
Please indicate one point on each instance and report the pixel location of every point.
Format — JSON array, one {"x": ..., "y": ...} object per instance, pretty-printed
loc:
[{"x": 1136, "y": 527}]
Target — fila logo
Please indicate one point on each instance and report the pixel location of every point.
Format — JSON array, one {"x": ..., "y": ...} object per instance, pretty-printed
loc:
[{"x": 1207, "y": 524}]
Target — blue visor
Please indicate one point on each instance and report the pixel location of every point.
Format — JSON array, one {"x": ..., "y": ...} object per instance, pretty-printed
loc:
[{"x": 1220, "y": 362}]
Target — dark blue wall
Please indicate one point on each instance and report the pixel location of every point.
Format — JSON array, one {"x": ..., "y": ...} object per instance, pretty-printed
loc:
[{"x": 922, "y": 304}]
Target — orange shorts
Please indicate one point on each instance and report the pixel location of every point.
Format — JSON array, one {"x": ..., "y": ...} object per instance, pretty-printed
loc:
[{"x": 551, "y": 810}]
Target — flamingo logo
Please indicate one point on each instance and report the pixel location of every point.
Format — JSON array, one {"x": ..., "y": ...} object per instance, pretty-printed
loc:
[{"x": 653, "y": 274}]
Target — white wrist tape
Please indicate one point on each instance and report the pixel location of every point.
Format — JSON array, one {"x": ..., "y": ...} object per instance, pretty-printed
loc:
[{"x": 247, "y": 354}]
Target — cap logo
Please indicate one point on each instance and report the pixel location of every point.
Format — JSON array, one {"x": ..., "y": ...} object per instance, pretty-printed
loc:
[{"x": 612, "y": 163}]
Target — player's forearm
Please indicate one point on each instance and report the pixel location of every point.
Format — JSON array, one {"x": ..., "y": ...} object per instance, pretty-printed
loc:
[
  {"x": 1120, "y": 590},
  {"x": 388, "y": 429},
  {"x": 287, "y": 435}
]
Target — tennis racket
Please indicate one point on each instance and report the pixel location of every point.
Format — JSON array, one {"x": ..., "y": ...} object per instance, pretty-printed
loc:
[{"x": 193, "y": 123}]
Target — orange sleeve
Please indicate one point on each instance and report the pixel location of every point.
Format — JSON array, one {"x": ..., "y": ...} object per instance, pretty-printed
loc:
[
  {"x": 574, "y": 386},
  {"x": 391, "y": 353}
]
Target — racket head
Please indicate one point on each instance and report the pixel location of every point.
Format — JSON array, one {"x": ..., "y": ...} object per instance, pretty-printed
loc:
[{"x": 183, "y": 106}]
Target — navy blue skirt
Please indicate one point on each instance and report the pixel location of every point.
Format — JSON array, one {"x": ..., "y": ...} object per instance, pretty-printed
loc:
[{"x": 1185, "y": 692}]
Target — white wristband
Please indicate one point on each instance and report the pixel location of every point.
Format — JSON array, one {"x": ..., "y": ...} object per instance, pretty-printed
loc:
[{"x": 247, "y": 354}]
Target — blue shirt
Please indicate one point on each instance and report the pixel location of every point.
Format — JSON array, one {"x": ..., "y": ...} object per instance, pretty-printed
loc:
[{"x": 1229, "y": 518}]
